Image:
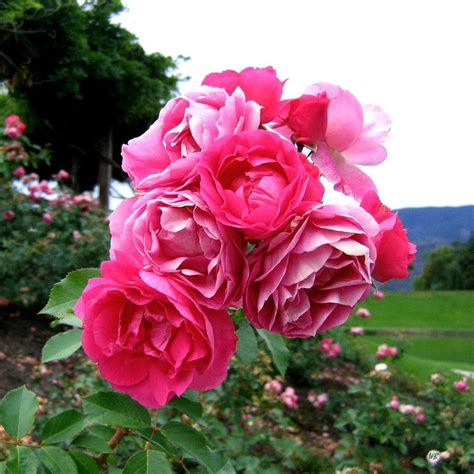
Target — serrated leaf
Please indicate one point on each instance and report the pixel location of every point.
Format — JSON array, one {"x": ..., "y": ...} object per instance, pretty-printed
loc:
[
  {"x": 278, "y": 350},
  {"x": 247, "y": 345},
  {"x": 63, "y": 426},
  {"x": 22, "y": 461},
  {"x": 192, "y": 409},
  {"x": 62, "y": 345},
  {"x": 84, "y": 463},
  {"x": 112, "y": 408},
  {"x": 18, "y": 410},
  {"x": 148, "y": 462},
  {"x": 194, "y": 444},
  {"x": 92, "y": 443},
  {"x": 64, "y": 294},
  {"x": 57, "y": 460}
]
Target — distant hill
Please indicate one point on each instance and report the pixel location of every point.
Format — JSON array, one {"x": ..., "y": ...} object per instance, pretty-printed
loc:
[{"x": 430, "y": 227}]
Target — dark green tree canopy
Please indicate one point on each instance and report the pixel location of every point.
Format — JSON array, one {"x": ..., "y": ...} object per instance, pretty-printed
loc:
[{"x": 82, "y": 76}]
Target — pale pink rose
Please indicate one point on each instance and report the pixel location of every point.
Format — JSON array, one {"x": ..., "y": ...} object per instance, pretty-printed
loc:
[
  {"x": 354, "y": 136},
  {"x": 44, "y": 187},
  {"x": 394, "y": 403},
  {"x": 76, "y": 235},
  {"x": 318, "y": 401},
  {"x": 394, "y": 251},
  {"x": 61, "y": 174},
  {"x": 309, "y": 277},
  {"x": 334, "y": 351},
  {"x": 257, "y": 182},
  {"x": 363, "y": 313},
  {"x": 258, "y": 84},
  {"x": 274, "y": 387},
  {"x": 174, "y": 234},
  {"x": 19, "y": 172},
  {"x": 186, "y": 125},
  {"x": 161, "y": 344},
  {"x": 386, "y": 351},
  {"x": 461, "y": 385},
  {"x": 436, "y": 379},
  {"x": 8, "y": 215},
  {"x": 289, "y": 397},
  {"x": 420, "y": 417},
  {"x": 47, "y": 217},
  {"x": 379, "y": 295},
  {"x": 357, "y": 331},
  {"x": 407, "y": 409},
  {"x": 34, "y": 188}
]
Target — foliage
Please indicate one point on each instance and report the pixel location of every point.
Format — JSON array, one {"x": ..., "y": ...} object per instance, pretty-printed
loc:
[
  {"x": 449, "y": 267},
  {"x": 63, "y": 56}
]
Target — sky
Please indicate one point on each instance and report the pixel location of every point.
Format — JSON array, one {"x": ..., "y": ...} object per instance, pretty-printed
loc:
[{"x": 412, "y": 58}]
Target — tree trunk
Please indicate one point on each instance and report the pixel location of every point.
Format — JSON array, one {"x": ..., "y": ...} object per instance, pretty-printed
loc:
[{"x": 105, "y": 148}]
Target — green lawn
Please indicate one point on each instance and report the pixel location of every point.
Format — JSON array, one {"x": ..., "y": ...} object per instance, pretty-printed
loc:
[
  {"x": 424, "y": 355},
  {"x": 449, "y": 310}
]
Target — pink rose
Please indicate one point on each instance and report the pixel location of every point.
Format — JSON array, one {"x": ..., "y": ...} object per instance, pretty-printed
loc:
[
  {"x": 152, "y": 343},
  {"x": 420, "y": 417},
  {"x": 461, "y": 385},
  {"x": 8, "y": 215},
  {"x": 44, "y": 187},
  {"x": 386, "y": 351},
  {"x": 258, "y": 84},
  {"x": 274, "y": 387},
  {"x": 394, "y": 403},
  {"x": 354, "y": 136},
  {"x": 289, "y": 397},
  {"x": 318, "y": 401},
  {"x": 186, "y": 125},
  {"x": 61, "y": 174},
  {"x": 357, "y": 331},
  {"x": 19, "y": 172},
  {"x": 394, "y": 251},
  {"x": 47, "y": 217},
  {"x": 14, "y": 127},
  {"x": 257, "y": 182},
  {"x": 363, "y": 313},
  {"x": 379, "y": 295},
  {"x": 309, "y": 277},
  {"x": 407, "y": 409},
  {"x": 174, "y": 234}
]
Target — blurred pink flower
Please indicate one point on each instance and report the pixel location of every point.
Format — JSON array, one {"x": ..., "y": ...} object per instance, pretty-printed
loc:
[
  {"x": 47, "y": 217},
  {"x": 394, "y": 403},
  {"x": 461, "y": 385},
  {"x": 44, "y": 187},
  {"x": 330, "y": 348},
  {"x": 76, "y": 235},
  {"x": 274, "y": 387},
  {"x": 14, "y": 127},
  {"x": 420, "y": 417},
  {"x": 8, "y": 215},
  {"x": 386, "y": 351},
  {"x": 379, "y": 295},
  {"x": 407, "y": 409},
  {"x": 363, "y": 313},
  {"x": 61, "y": 174},
  {"x": 289, "y": 397},
  {"x": 318, "y": 401},
  {"x": 436, "y": 379},
  {"x": 19, "y": 172},
  {"x": 357, "y": 331}
]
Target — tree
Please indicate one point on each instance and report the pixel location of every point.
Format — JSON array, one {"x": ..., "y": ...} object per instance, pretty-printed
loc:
[
  {"x": 450, "y": 267},
  {"x": 88, "y": 83}
]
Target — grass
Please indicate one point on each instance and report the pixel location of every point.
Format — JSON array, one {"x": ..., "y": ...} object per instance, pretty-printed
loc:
[
  {"x": 424, "y": 355},
  {"x": 440, "y": 310}
]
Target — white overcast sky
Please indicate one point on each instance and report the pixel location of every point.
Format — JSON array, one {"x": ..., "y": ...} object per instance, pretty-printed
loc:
[{"x": 413, "y": 58}]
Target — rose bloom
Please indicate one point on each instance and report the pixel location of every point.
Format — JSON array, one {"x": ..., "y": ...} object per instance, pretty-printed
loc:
[
  {"x": 174, "y": 234},
  {"x": 386, "y": 351},
  {"x": 152, "y": 343},
  {"x": 8, "y": 215},
  {"x": 379, "y": 295},
  {"x": 436, "y": 379},
  {"x": 47, "y": 217},
  {"x": 289, "y": 397},
  {"x": 394, "y": 251},
  {"x": 164, "y": 155},
  {"x": 461, "y": 385},
  {"x": 274, "y": 387},
  {"x": 309, "y": 277},
  {"x": 14, "y": 127},
  {"x": 257, "y": 182},
  {"x": 19, "y": 172},
  {"x": 394, "y": 403},
  {"x": 363, "y": 313},
  {"x": 357, "y": 331},
  {"x": 260, "y": 85}
]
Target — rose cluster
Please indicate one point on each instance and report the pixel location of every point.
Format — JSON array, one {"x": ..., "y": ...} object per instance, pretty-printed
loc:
[{"x": 229, "y": 212}]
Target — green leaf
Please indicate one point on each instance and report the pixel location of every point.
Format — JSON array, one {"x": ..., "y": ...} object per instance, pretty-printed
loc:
[
  {"x": 62, "y": 345},
  {"x": 70, "y": 320},
  {"x": 22, "y": 461},
  {"x": 92, "y": 443},
  {"x": 57, "y": 460},
  {"x": 18, "y": 411},
  {"x": 63, "y": 426},
  {"x": 111, "y": 408},
  {"x": 104, "y": 432},
  {"x": 238, "y": 316},
  {"x": 279, "y": 351},
  {"x": 64, "y": 294},
  {"x": 247, "y": 346},
  {"x": 194, "y": 444},
  {"x": 147, "y": 462},
  {"x": 84, "y": 463},
  {"x": 158, "y": 440},
  {"x": 192, "y": 409},
  {"x": 419, "y": 462},
  {"x": 3, "y": 467}
]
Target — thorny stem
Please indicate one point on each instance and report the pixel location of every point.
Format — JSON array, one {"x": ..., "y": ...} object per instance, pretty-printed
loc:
[{"x": 113, "y": 443}]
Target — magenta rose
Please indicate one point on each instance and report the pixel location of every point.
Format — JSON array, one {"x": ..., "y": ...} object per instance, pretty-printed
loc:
[
  {"x": 185, "y": 125},
  {"x": 309, "y": 277},
  {"x": 259, "y": 84},
  {"x": 257, "y": 181},
  {"x": 152, "y": 343},
  {"x": 394, "y": 251},
  {"x": 174, "y": 234}
]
